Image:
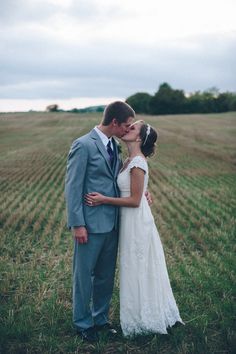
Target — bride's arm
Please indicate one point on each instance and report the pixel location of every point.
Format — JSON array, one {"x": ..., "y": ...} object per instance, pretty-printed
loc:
[{"x": 136, "y": 191}]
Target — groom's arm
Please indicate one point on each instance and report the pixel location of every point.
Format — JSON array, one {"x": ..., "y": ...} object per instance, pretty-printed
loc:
[
  {"x": 74, "y": 186},
  {"x": 133, "y": 201}
]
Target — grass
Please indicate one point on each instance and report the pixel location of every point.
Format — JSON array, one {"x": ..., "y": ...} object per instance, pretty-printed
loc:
[{"x": 192, "y": 180}]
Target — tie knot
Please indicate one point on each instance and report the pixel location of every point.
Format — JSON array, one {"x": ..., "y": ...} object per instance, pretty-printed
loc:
[{"x": 109, "y": 144}]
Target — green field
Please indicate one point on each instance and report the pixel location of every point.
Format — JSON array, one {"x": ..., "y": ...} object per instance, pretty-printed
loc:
[{"x": 192, "y": 180}]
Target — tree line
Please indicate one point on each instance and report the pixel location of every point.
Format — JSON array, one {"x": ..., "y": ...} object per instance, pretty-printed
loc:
[
  {"x": 170, "y": 101},
  {"x": 55, "y": 108}
]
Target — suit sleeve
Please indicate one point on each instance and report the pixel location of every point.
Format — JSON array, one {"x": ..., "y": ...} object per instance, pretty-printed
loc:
[{"x": 74, "y": 184}]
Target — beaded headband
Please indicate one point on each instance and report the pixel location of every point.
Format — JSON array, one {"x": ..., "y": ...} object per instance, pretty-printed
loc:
[{"x": 147, "y": 133}]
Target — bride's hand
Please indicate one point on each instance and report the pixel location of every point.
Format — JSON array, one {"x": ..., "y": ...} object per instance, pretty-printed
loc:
[{"x": 94, "y": 199}]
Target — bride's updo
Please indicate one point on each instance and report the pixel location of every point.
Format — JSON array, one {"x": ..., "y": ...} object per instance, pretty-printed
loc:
[{"x": 148, "y": 136}]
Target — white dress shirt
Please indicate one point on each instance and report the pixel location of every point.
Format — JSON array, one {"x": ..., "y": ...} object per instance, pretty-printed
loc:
[{"x": 103, "y": 137}]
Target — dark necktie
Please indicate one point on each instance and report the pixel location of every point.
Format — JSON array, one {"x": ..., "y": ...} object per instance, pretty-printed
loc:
[{"x": 110, "y": 153}]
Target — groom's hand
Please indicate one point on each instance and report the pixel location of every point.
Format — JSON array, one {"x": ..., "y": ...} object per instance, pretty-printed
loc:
[
  {"x": 80, "y": 234},
  {"x": 149, "y": 197}
]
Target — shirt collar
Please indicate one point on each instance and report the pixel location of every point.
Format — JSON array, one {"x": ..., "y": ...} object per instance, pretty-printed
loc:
[{"x": 103, "y": 137}]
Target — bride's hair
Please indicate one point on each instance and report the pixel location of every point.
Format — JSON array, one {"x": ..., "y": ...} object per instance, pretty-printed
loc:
[{"x": 148, "y": 136}]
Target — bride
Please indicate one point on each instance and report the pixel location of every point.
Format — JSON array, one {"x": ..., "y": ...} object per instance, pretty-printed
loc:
[{"x": 147, "y": 304}]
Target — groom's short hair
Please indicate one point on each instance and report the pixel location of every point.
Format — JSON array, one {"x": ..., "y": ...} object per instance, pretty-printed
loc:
[{"x": 119, "y": 110}]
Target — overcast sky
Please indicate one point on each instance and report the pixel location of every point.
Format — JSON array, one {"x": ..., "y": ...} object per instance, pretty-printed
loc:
[{"x": 84, "y": 52}]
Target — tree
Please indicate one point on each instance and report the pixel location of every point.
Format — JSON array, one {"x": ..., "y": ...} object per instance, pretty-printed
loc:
[
  {"x": 168, "y": 101},
  {"x": 52, "y": 108},
  {"x": 194, "y": 103},
  {"x": 140, "y": 102},
  {"x": 225, "y": 102},
  {"x": 201, "y": 102}
]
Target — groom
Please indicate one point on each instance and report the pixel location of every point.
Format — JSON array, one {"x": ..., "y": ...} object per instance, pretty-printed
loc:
[{"x": 93, "y": 165}]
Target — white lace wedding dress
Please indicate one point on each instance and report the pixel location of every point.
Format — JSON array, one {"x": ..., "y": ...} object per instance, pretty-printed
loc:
[{"x": 147, "y": 303}]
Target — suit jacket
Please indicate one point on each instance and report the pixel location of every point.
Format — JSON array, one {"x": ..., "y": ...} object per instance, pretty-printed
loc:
[{"x": 89, "y": 170}]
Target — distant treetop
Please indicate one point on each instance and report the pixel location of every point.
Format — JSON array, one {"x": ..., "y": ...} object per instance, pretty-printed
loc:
[{"x": 170, "y": 101}]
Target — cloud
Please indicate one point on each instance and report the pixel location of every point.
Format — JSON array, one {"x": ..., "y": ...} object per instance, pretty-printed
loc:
[
  {"x": 66, "y": 49},
  {"x": 46, "y": 69},
  {"x": 21, "y": 12},
  {"x": 47, "y": 12}
]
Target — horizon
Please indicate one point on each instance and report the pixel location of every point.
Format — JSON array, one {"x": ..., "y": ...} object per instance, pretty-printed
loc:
[{"x": 39, "y": 105}]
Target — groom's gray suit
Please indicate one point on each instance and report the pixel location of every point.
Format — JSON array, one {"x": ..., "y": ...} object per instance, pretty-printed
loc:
[{"x": 89, "y": 170}]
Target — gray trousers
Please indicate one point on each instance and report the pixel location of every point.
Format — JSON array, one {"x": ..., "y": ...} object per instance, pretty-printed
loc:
[{"x": 93, "y": 279}]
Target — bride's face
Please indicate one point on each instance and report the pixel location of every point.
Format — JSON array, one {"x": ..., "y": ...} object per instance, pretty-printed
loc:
[{"x": 133, "y": 134}]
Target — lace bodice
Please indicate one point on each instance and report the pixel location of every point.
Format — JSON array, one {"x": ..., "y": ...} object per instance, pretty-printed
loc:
[{"x": 124, "y": 176}]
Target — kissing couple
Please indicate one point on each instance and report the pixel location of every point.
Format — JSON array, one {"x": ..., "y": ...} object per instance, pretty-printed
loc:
[{"x": 108, "y": 204}]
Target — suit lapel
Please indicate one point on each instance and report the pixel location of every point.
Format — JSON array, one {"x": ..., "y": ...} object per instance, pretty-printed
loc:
[{"x": 101, "y": 148}]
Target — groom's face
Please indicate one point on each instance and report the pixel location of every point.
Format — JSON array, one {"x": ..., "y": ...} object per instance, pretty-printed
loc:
[
  {"x": 123, "y": 128},
  {"x": 134, "y": 132}
]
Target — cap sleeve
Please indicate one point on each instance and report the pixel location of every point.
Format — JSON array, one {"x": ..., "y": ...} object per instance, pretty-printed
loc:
[{"x": 140, "y": 162}]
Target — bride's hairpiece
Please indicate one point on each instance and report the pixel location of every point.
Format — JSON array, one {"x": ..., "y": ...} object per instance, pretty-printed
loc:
[{"x": 147, "y": 133}]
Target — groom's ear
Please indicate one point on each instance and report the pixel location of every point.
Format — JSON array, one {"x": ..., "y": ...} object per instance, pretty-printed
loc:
[{"x": 114, "y": 122}]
